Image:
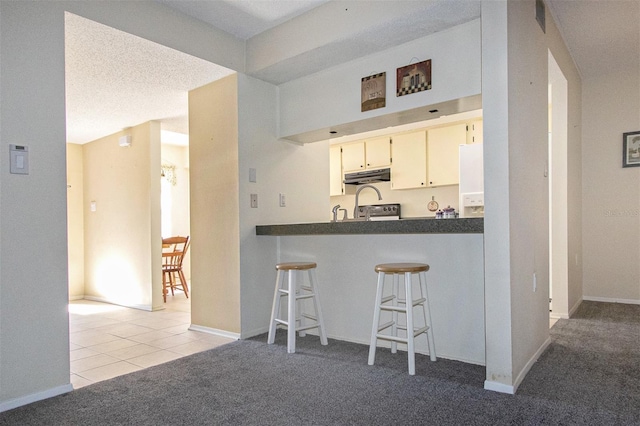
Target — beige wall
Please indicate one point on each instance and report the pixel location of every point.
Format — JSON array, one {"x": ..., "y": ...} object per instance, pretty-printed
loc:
[
  {"x": 611, "y": 206},
  {"x": 75, "y": 221},
  {"x": 213, "y": 167},
  {"x": 121, "y": 234}
]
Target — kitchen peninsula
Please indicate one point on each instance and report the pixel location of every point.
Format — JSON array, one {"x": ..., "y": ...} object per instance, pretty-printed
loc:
[{"x": 346, "y": 253}]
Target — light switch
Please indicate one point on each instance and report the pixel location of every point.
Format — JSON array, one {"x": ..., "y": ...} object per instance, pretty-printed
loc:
[
  {"x": 252, "y": 175},
  {"x": 254, "y": 201},
  {"x": 19, "y": 159},
  {"x": 93, "y": 207}
]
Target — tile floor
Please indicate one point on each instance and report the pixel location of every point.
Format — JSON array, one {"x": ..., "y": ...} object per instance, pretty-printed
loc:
[{"x": 108, "y": 340}]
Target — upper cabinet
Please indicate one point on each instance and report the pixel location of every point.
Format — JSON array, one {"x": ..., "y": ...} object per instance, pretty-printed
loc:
[
  {"x": 353, "y": 156},
  {"x": 443, "y": 147},
  {"x": 378, "y": 152},
  {"x": 336, "y": 187},
  {"x": 370, "y": 154},
  {"x": 418, "y": 159},
  {"x": 409, "y": 161}
]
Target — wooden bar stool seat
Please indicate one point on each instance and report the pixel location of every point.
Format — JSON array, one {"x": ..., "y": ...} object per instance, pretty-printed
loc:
[
  {"x": 296, "y": 294},
  {"x": 395, "y": 305}
]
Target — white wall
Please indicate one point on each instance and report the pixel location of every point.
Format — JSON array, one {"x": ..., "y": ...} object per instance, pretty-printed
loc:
[
  {"x": 611, "y": 204},
  {"x": 332, "y": 97},
  {"x": 34, "y": 343},
  {"x": 281, "y": 167},
  {"x": 568, "y": 302}
]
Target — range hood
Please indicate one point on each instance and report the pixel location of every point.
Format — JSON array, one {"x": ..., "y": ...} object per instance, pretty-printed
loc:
[{"x": 367, "y": 176}]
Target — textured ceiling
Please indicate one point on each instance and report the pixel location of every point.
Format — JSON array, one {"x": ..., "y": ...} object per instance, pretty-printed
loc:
[{"x": 116, "y": 80}]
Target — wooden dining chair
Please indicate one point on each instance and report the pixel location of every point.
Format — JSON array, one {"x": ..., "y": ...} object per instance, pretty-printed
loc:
[{"x": 173, "y": 251}]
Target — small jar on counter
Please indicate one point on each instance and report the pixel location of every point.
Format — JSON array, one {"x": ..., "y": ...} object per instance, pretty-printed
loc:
[{"x": 439, "y": 214}]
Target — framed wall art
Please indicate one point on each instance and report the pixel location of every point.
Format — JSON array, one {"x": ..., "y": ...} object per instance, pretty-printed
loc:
[
  {"x": 631, "y": 149},
  {"x": 374, "y": 92},
  {"x": 413, "y": 78}
]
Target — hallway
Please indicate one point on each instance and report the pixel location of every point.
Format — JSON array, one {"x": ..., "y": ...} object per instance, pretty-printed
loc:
[{"x": 107, "y": 341}]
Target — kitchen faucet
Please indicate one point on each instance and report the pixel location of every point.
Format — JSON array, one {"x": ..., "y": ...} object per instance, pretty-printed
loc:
[{"x": 355, "y": 209}]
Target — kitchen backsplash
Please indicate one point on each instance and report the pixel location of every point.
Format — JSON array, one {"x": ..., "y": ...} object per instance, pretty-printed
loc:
[{"x": 413, "y": 201}]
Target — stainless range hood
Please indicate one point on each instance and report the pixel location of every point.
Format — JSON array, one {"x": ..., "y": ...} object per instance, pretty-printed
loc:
[{"x": 367, "y": 176}]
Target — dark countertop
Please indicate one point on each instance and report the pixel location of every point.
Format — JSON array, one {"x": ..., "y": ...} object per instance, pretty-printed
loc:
[{"x": 403, "y": 226}]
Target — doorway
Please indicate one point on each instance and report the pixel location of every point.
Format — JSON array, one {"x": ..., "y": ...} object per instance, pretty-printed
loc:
[{"x": 558, "y": 202}]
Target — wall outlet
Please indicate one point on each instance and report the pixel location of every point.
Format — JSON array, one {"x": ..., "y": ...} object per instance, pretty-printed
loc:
[
  {"x": 254, "y": 201},
  {"x": 283, "y": 200},
  {"x": 535, "y": 282}
]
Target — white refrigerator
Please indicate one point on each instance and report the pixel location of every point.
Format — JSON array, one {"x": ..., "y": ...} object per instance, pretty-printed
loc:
[{"x": 471, "y": 181}]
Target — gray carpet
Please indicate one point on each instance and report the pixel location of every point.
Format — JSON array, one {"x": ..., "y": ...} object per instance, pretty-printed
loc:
[{"x": 588, "y": 376}]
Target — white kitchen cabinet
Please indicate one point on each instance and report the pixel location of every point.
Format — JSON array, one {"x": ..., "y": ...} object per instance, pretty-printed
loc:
[
  {"x": 336, "y": 187},
  {"x": 378, "y": 152},
  {"x": 443, "y": 152},
  {"x": 409, "y": 153},
  {"x": 353, "y": 157},
  {"x": 474, "y": 132}
]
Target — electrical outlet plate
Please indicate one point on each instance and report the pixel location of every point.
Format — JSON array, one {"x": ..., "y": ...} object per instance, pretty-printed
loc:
[{"x": 283, "y": 200}]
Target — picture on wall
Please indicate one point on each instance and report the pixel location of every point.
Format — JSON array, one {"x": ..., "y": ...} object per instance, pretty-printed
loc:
[
  {"x": 631, "y": 149},
  {"x": 374, "y": 92},
  {"x": 413, "y": 78}
]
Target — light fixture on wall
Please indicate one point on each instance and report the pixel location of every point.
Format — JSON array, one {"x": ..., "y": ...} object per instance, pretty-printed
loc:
[{"x": 125, "y": 140}]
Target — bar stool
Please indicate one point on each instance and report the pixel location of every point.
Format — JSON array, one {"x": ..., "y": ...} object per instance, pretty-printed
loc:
[
  {"x": 403, "y": 306},
  {"x": 295, "y": 295}
]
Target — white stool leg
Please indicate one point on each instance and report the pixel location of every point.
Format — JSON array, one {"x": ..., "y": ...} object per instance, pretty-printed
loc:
[
  {"x": 394, "y": 313},
  {"x": 410, "y": 347},
  {"x": 275, "y": 310},
  {"x": 427, "y": 313},
  {"x": 291, "y": 318},
  {"x": 316, "y": 304},
  {"x": 376, "y": 319},
  {"x": 300, "y": 320}
]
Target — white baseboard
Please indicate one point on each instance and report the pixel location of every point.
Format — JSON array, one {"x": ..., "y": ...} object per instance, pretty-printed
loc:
[
  {"x": 612, "y": 300},
  {"x": 558, "y": 316},
  {"x": 511, "y": 389},
  {"x": 112, "y": 302},
  {"x": 75, "y": 298},
  {"x": 256, "y": 332},
  {"x": 575, "y": 307},
  {"x": 34, "y": 397},
  {"x": 499, "y": 387},
  {"x": 214, "y": 331}
]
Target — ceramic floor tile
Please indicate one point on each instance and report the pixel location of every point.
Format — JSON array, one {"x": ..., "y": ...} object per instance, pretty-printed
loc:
[
  {"x": 79, "y": 382},
  {"x": 133, "y": 351},
  {"x": 90, "y": 338},
  {"x": 155, "y": 323},
  {"x": 82, "y": 353},
  {"x": 178, "y": 329},
  {"x": 109, "y": 371},
  {"x": 194, "y": 347},
  {"x": 169, "y": 342},
  {"x": 88, "y": 363},
  {"x": 148, "y": 337},
  {"x": 125, "y": 330},
  {"x": 113, "y": 345},
  {"x": 154, "y": 358}
]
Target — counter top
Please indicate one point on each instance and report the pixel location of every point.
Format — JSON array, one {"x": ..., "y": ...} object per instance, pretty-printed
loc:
[{"x": 403, "y": 226}]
